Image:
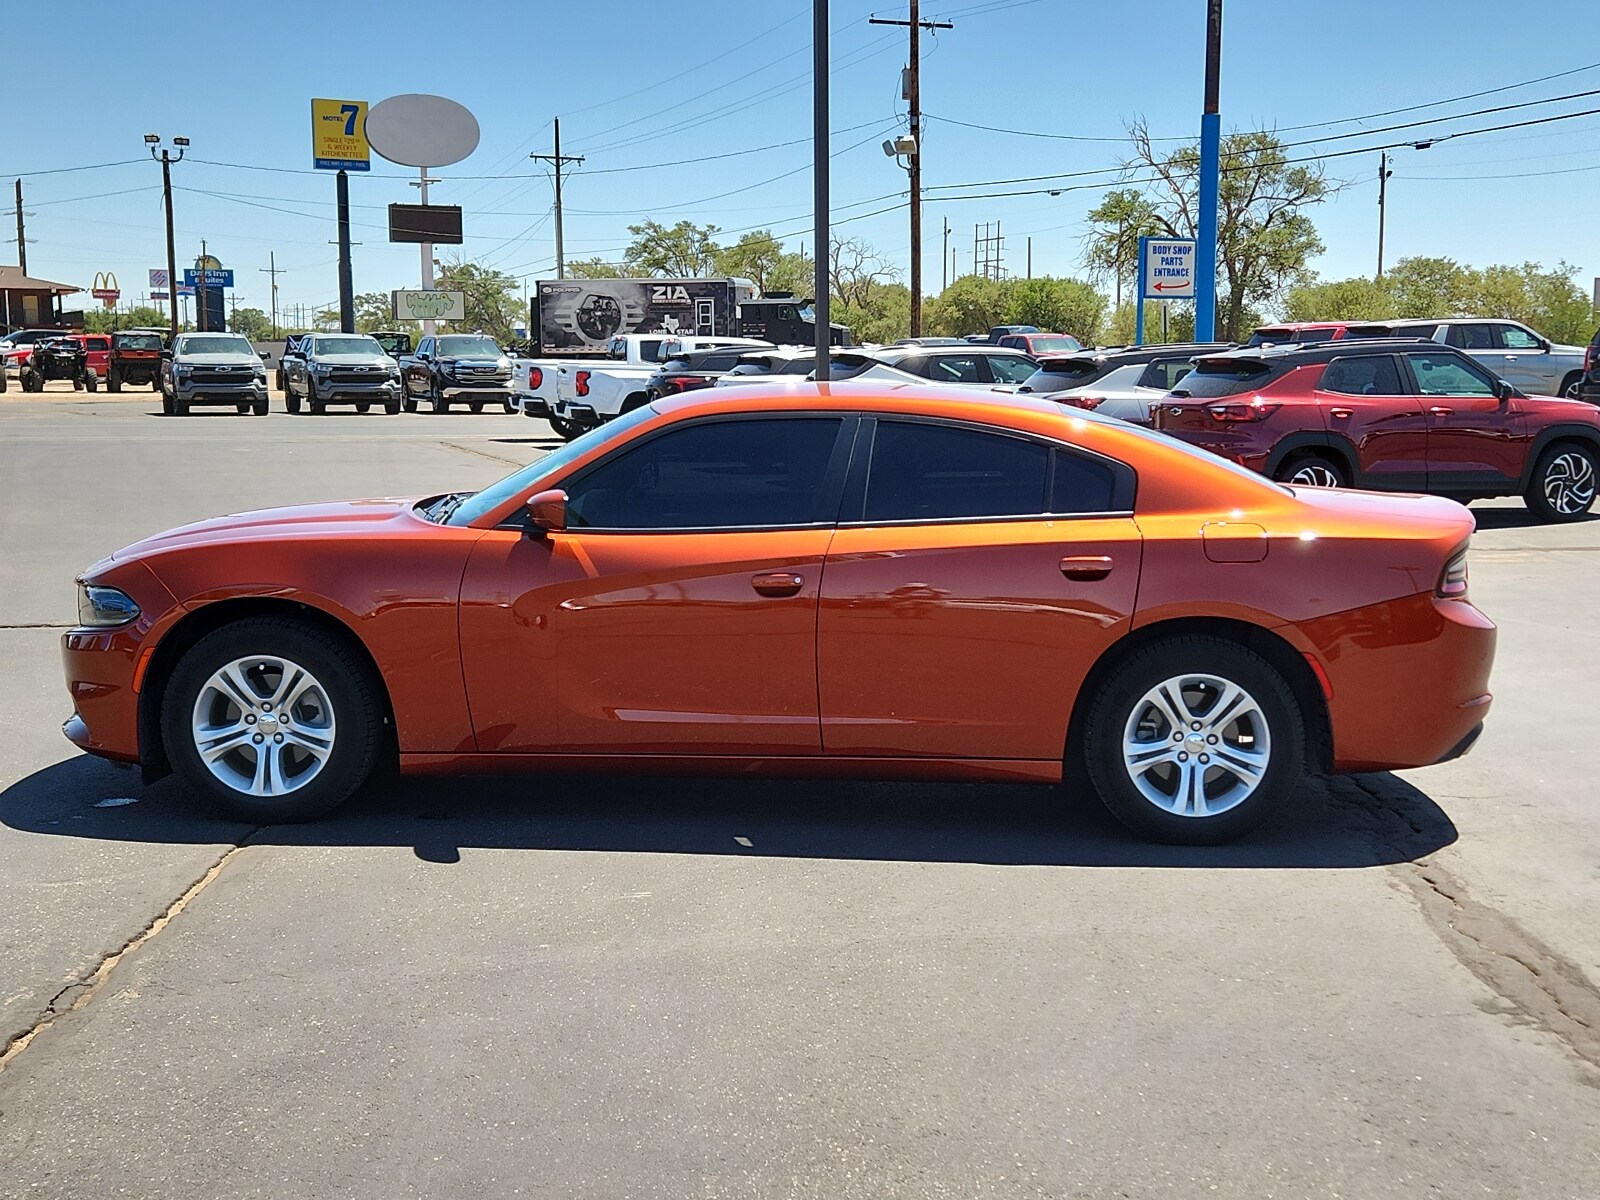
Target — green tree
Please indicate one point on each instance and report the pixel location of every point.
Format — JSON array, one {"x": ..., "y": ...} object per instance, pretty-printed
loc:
[
  {"x": 760, "y": 257},
  {"x": 374, "y": 310},
  {"x": 493, "y": 298},
  {"x": 684, "y": 250},
  {"x": 971, "y": 304},
  {"x": 1427, "y": 287},
  {"x": 1057, "y": 305},
  {"x": 1264, "y": 236},
  {"x": 882, "y": 315},
  {"x": 593, "y": 268},
  {"x": 251, "y": 322},
  {"x": 1358, "y": 299}
]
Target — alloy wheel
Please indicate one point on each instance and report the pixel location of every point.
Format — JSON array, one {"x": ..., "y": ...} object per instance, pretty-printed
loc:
[
  {"x": 1196, "y": 745},
  {"x": 1314, "y": 474},
  {"x": 1569, "y": 483},
  {"x": 263, "y": 725}
]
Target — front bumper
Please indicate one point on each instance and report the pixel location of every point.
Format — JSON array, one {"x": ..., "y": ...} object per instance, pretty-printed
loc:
[
  {"x": 193, "y": 392},
  {"x": 487, "y": 389},
  {"x": 381, "y": 391}
]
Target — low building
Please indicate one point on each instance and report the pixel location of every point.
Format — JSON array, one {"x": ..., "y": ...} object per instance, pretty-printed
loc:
[{"x": 28, "y": 303}]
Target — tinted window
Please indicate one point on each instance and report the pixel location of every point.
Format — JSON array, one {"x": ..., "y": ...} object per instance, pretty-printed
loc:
[
  {"x": 1470, "y": 337},
  {"x": 1058, "y": 377},
  {"x": 953, "y": 368},
  {"x": 1268, "y": 336},
  {"x": 1210, "y": 379},
  {"x": 468, "y": 344},
  {"x": 138, "y": 341},
  {"x": 935, "y": 472},
  {"x": 207, "y": 344},
  {"x": 1514, "y": 337},
  {"x": 1054, "y": 344},
  {"x": 1006, "y": 369},
  {"x": 1372, "y": 376},
  {"x": 1447, "y": 375},
  {"x": 720, "y": 362},
  {"x": 715, "y": 475},
  {"x": 1165, "y": 374}
]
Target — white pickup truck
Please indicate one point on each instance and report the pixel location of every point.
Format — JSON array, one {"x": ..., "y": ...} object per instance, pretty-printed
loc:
[{"x": 575, "y": 395}]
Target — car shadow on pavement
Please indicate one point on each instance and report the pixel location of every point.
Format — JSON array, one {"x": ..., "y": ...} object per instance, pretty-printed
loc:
[
  {"x": 1514, "y": 518},
  {"x": 1359, "y": 821}
]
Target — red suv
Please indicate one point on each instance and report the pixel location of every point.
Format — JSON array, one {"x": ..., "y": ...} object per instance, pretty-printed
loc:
[{"x": 1388, "y": 415}]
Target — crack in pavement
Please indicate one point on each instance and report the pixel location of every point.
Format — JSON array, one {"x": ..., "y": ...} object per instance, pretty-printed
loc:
[
  {"x": 83, "y": 989},
  {"x": 38, "y": 625},
  {"x": 1538, "y": 986},
  {"x": 500, "y": 458}
]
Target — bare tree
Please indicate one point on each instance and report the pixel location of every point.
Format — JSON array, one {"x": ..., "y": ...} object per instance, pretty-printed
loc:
[{"x": 855, "y": 269}]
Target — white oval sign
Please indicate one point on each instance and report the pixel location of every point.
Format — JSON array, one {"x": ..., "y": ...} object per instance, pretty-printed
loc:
[{"x": 422, "y": 131}]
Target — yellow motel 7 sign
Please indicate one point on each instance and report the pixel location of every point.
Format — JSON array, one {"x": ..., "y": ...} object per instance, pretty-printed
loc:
[{"x": 339, "y": 135}]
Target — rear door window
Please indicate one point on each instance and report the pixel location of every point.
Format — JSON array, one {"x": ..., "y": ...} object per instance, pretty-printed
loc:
[
  {"x": 1471, "y": 337},
  {"x": 956, "y": 368},
  {"x": 1008, "y": 369},
  {"x": 1369, "y": 375},
  {"x": 1164, "y": 375}
]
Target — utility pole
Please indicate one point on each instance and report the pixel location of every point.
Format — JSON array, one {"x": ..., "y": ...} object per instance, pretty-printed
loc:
[
  {"x": 558, "y": 160},
  {"x": 153, "y": 140},
  {"x": 347, "y": 301},
  {"x": 1205, "y": 259},
  {"x": 912, "y": 93},
  {"x": 823, "y": 338},
  {"x": 1030, "y": 258},
  {"x": 944, "y": 265},
  {"x": 272, "y": 258},
  {"x": 200, "y": 294},
  {"x": 1383, "y": 191},
  {"x": 22, "y": 234}
]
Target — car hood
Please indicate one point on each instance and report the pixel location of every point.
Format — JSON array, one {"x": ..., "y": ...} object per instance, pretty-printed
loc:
[
  {"x": 360, "y": 517},
  {"x": 357, "y": 360}
]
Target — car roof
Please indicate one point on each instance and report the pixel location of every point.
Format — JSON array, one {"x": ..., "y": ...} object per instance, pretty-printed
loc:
[
  {"x": 1303, "y": 325},
  {"x": 895, "y": 353},
  {"x": 1322, "y": 351},
  {"x": 1122, "y": 355}
]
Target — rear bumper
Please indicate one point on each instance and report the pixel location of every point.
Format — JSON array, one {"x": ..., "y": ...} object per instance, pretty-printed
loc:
[
  {"x": 533, "y": 406},
  {"x": 1410, "y": 681},
  {"x": 582, "y": 413}
]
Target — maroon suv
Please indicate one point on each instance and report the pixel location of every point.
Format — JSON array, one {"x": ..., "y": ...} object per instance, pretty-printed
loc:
[{"x": 1389, "y": 415}]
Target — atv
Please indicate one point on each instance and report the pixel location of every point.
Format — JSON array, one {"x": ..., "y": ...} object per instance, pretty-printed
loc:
[
  {"x": 135, "y": 360},
  {"x": 59, "y": 358}
]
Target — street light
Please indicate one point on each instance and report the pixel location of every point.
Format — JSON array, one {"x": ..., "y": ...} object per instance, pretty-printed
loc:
[
  {"x": 153, "y": 140},
  {"x": 1384, "y": 174}
]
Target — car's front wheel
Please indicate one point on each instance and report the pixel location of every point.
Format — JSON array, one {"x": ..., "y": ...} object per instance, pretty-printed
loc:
[
  {"x": 272, "y": 720},
  {"x": 1563, "y": 485},
  {"x": 1194, "y": 740},
  {"x": 566, "y": 430}
]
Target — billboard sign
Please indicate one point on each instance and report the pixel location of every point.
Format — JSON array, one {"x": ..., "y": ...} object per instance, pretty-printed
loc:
[
  {"x": 158, "y": 278},
  {"x": 216, "y": 277},
  {"x": 435, "y": 224},
  {"x": 428, "y": 306},
  {"x": 339, "y": 136}
]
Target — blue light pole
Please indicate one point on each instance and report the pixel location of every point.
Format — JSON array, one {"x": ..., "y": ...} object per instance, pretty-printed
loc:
[{"x": 1205, "y": 265}]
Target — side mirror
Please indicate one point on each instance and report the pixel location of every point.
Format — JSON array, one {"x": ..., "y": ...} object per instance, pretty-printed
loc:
[
  {"x": 1503, "y": 390},
  {"x": 548, "y": 510},
  {"x": 167, "y": 352}
]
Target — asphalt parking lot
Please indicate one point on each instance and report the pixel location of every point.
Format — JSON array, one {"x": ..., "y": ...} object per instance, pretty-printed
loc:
[{"x": 647, "y": 988}]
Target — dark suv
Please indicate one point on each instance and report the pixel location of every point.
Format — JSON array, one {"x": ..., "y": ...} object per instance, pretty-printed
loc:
[
  {"x": 691, "y": 370},
  {"x": 1397, "y": 415}
]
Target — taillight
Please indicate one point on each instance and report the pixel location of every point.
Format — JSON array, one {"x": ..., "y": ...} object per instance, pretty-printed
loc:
[
  {"x": 535, "y": 377},
  {"x": 580, "y": 383},
  {"x": 1254, "y": 410},
  {"x": 1453, "y": 579},
  {"x": 1089, "y": 402}
]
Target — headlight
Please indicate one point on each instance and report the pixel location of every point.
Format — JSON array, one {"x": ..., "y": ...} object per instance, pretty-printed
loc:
[
  {"x": 104, "y": 607},
  {"x": 504, "y": 364},
  {"x": 322, "y": 368},
  {"x": 181, "y": 368}
]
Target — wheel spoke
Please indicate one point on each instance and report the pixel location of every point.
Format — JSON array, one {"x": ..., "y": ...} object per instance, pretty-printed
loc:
[
  {"x": 1191, "y": 790},
  {"x": 214, "y": 742},
  {"x": 1145, "y": 756},
  {"x": 1169, "y": 702},
  {"x": 231, "y": 682},
  {"x": 1226, "y": 709},
  {"x": 290, "y": 685},
  {"x": 1248, "y": 766},
  {"x": 266, "y": 760},
  {"x": 311, "y": 741}
]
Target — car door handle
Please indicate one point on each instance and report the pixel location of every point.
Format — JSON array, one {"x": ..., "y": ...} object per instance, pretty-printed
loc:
[
  {"x": 777, "y": 583},
  {"x": 1344, "y": 414},
  {"x": 1438, "y": 410},
  {"x": 1086, "y": 566}
]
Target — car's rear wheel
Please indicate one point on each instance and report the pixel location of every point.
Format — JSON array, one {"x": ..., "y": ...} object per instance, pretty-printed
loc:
[
  {"x": 565, "y": 429},
  {"x": 1312, "y": 470},
  {"x": 1194, "y": 740},
  {"x": 91, "y": 381},
  {"x": 113, "y": 381},
  {"x": 1563, "y": 485},
  {"x": 272, "y": 720},
  {"x": 1570, "y": 385}
]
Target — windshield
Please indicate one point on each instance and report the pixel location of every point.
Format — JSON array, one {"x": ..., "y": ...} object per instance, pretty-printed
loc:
[
  {"x": 393, "y": 343},
  {"x": 137, "y": 341},
  {"x": 475, "y": 345},
  {"x": 1055, "y": 344},
  {"x": 348, "y": 345},
  {"x": 218, "y": 344},
  {"x": 523, "y": 481}
]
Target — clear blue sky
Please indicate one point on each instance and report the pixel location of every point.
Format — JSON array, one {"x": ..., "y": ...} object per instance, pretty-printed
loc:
[{"x": 640, "y": 84}]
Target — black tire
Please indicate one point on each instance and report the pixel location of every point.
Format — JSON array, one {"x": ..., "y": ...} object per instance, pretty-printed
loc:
[
  {"x": 409, "y": 404},
  {"x": 392, "y": 407},
  {"x": 113, "y": 380},
  {"x": 242, "y": 408},
  {"x": 475, "y": 405},
  {"x": 313, "y": 401},
  {"x": 166, "y": 405},
  {"x": 155, "y": 382},
  {"x": 361, "y": 408},
  {"x": 566, "y": 430},
  {"x": 345, "y": 681},
  {"x": 180, "y": 407},
  {"x": 1569, "y": 385},
  {"x": 91, "y": 381},
  {"x": 1562, "y": 487},
  {"x": 1312, "y": 470},
  {"x": 510, "y": 406},
  {"x": 436, "y": 397},
  {"x": 1124, "y": 697},
  {"x": 258, "y": 407},
  {"x": 77, "y": 383},
  {"x": 291, "y": 402}
]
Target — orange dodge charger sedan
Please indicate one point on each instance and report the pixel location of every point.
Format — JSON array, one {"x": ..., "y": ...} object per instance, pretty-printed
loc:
[{"x": 830, "y": 580}]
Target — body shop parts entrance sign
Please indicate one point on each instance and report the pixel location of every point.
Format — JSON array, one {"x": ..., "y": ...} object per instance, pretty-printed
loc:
[{"x": 1166, "y": 268}]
